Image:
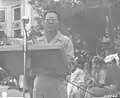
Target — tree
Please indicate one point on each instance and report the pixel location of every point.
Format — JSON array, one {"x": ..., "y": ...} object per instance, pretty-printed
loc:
[
  {"x": 68, "y": 6},
  {"x": 71, "y": 7}
]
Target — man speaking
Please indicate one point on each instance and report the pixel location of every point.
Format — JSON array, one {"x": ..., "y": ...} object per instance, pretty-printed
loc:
[{"x": 44, "y": 85}]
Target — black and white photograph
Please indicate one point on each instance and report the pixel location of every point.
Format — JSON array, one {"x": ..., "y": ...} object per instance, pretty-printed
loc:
[{"x": 59, "y": 48}]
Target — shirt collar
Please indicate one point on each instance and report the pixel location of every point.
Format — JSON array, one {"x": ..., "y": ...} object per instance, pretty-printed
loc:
[{"x": 55, "y": 39}]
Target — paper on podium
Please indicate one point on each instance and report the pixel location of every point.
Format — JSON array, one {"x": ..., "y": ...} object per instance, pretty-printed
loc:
[
  {"x": 49, "y": 59},
  {"x": 12, "y": 58}
]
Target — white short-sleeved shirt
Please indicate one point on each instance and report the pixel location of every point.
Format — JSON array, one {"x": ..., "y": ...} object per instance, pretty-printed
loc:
[
  {"x": 59, "y": 39},
  {"x": 78, "y": 76}
]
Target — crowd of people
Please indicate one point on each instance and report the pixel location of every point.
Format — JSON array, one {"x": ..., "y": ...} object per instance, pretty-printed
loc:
[{"x": 92, "y": 78}]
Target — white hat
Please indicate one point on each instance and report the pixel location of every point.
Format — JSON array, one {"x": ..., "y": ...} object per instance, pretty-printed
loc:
[{"x": 111, "y": 57}]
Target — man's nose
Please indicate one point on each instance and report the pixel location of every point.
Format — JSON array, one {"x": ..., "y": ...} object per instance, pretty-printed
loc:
[{"x": 50, "y": 21}]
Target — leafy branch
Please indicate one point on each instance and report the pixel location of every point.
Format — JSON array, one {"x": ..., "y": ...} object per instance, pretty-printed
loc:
[{"x": 40, "y": 6}]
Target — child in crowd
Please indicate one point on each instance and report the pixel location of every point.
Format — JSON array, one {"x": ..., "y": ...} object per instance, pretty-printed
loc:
[{"x": 77, "y": 78}]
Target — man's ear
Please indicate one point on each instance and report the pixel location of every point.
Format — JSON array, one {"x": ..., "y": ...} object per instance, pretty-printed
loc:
[{"x": 60, "y": 26}]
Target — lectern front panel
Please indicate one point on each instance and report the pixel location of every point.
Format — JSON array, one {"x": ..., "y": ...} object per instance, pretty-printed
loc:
[
  {"x": 49, "y": 61},
  {"x": 12, "y": 59},
  {"x": 14, "y": 62}
]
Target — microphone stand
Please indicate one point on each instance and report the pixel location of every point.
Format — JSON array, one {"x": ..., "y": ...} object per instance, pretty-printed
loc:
[{"x": 25, "y": 57}]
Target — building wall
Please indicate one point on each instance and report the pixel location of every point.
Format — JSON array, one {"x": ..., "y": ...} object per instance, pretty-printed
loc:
[
  {"x": 9, "y": 2},
  {"x": 8, "y": 5}
]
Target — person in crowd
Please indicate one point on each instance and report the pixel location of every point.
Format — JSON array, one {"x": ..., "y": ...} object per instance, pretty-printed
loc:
[
  {"x": 88, "y": 75},
  {"x": 108, "y": 84},
  {"x": 77, "y": 78},
  {"x": 103, "y": 73},
  {"x": 89, "y": 82},
  {"x": 113, "y": 74},
  {"x": 80, "y": 61},
  {"x": 3, "y": 39},
  {"x": 44, "y": 85},
  {"x": 97, "y": 64},
  {"x": 96, "y": 69},
  {"x": 35, "y": 31}
]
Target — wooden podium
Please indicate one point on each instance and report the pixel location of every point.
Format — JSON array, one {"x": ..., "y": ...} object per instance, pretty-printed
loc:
[
  {"x": 12, "y": 58},
  {"x": 48, "y": 58},
  {"x": 40, "y": 58}
]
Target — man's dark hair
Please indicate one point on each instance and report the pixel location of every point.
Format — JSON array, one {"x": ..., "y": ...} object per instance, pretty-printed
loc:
[{"x": 51, "y": 11}]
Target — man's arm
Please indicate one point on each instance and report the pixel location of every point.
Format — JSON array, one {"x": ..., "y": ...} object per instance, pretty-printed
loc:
[
  {"x": 70, "y": 50},
  {"x": 70, "y": 53}
]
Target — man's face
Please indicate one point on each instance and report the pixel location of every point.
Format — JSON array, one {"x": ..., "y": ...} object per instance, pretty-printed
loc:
[
  {"x": 51, "y": 22},
  {"x": 37, "y": 27},
  {"x": 97, "y": 68}
]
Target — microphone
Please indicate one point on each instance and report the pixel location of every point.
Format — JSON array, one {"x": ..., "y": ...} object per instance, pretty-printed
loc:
[{"x": 25, "y": 20}]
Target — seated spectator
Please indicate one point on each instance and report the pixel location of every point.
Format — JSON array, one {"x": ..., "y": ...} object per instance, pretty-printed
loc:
[
  {"x": 88, "y": 75},
  {"x": 106, "y": 84}
]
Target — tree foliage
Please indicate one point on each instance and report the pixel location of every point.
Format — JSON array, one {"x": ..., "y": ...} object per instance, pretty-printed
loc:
[
  {"x": 40, "y": 6},
  {"x": 69, "y": 6}
]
